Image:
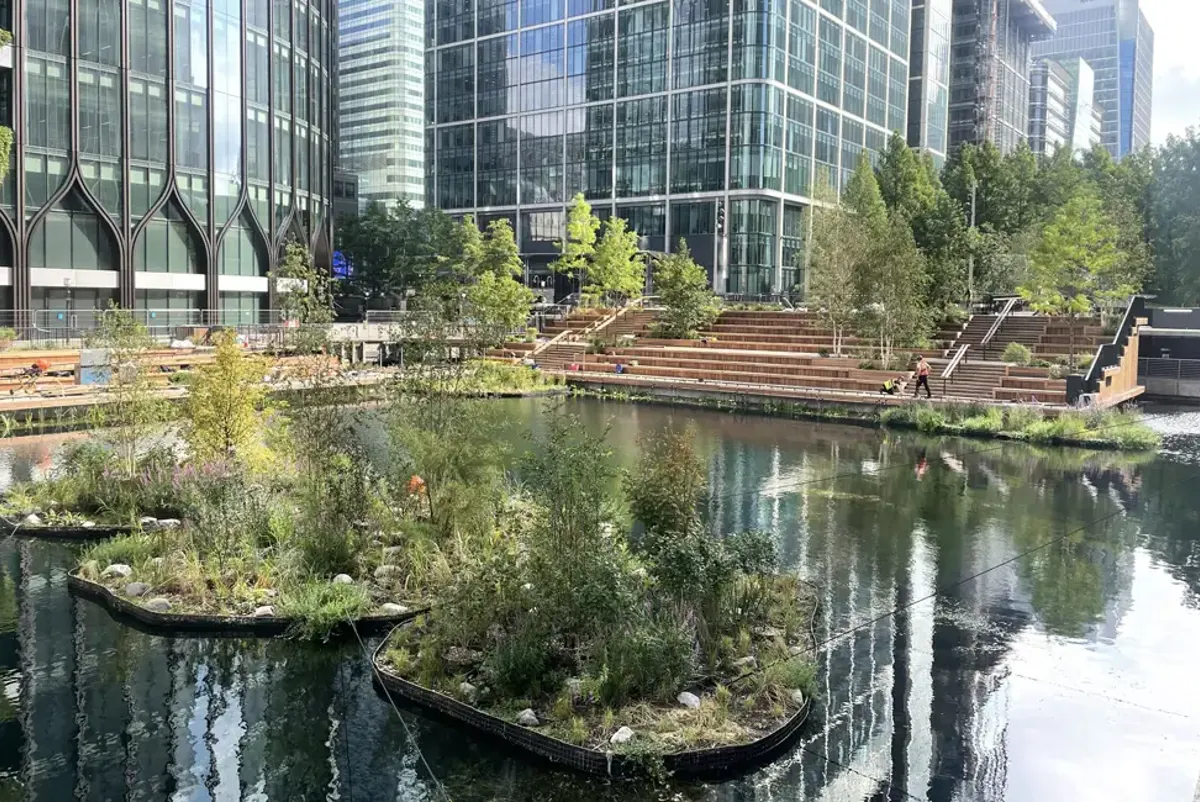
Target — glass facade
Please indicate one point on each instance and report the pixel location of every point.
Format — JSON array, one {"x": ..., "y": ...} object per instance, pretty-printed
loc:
[
  {"x": 990, "y": 49},
  {"x": 929, "y": 78},
  {"x": 662, "y": 112},
  {"x": 1062, "y": 111},
  {"x": 163, "y": 151},
  {"x": 381, "y": 98},
  {"x": 1115, "y": 39}
]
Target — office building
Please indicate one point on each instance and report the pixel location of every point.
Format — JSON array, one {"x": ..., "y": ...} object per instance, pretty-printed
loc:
[
  {"x": 989, "y": 65},
  {"x": 1061, "y": 108},
  {"x": 662, "y": 113},
  {"x": 1115, "y": 38},
  {"x": 163, "y": 153},
  {"x": 381, "y": 104},
  {"x": 929, "y": 78}
]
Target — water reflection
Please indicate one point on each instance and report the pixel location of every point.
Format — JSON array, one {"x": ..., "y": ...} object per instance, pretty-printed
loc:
[{"x": 1061, "y": 669}]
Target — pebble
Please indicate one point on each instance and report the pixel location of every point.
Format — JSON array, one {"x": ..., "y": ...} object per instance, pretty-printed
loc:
[
  {"x": 117, "y": 570},
  {"x": 391, "y": 608},
  {"x": 689, "y": 700},
  {"x": 622, "y": 736},
  {"x": 796, "y": 650},
  {"x": 392, "y": 551},
  {"x": 169, "y": 523},
  {"x": 746, "y": 662},
  {"x": 526, "y": 718},
  {"x": 158, "y": 605},
  {"x": 136, "y": 589},
  {"x": 798, "y": 698},
  {"x": 468, "y": 691},
  {"x": 266, "y": 611},
  {"x": 387, "y": 571},
  {"x": 32, "y": 519},
  {"x": 343, "y": 579},
  {"x": 147, "y": 521},
  {"x": 88, "y": 524}
]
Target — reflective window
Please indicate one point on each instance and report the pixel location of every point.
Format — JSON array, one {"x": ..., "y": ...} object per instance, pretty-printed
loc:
[
  {"x": 283, "y": 151},
  {"x": 283, "y": 77},
  {"x": 456, "y": 167},
  {"x": 72, "y": 236},
  {"x": 193, "y": 188},
  {"x": 497, "y": 166},
  {"x": 191, "y": 128},
  {"x": 755, "y": 137},
  {"x": 455, "y": 20},
  {"x": 99, "y": 31},
  {"x": 169, "y": 244},
  {"x": 44, "y": 175},
  {"x": 648, "y": 220},
  {"x": 698, "y": 141},
  {"x": 499, "y": 62},
  {"x": 829, "y": 74},
  {"x": 590, "y": 151},
  {"x": 701, "y": 54},
  {"x": 495, "y": 16},
  {"x": 147, "y": 37},
  {"x": 802, "y": 47},
  {"x": 642, "y": 50},
  {"x": 542, "y": 69},
  {"x": 258, "y": 86},
  {"x": 47, "y": 104},
  {"x": 828, "y": 146},
  {"x": 752, "y": 247},
  {"x": 693, "y": 217},
  {"x": 191, "y": 43},
  {"x": 145, "y": 187},
  {"x": 590, "y": 59},
  {"x": 877, "y": 86},
  {"x": 798, "y": 145},
  {"x": 542, "y": 168},
  {"x": 103, "y": 180},
  {"x": 641, "y": 147},
  {"x": 99, "y": 112},
  {"x": 455, "y": 76},
  {"x": 47, "y": 26},
  {"x": 258, "y": 151},
  {"x": 538, "y": 12},
  {"x": 855, "y": 76}
]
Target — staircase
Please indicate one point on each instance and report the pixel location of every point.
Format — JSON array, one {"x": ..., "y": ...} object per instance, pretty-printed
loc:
[{"x": 971, "y": 381}]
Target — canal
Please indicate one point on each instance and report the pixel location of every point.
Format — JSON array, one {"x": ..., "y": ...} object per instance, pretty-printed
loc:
[{"x": 1000, "y": 623}]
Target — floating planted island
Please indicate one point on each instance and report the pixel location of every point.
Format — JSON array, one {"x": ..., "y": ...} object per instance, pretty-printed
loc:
[{"x": 609, "y": 647}]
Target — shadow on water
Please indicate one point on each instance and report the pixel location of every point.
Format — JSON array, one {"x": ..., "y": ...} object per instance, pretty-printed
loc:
[{"x": 942, "y": 676}]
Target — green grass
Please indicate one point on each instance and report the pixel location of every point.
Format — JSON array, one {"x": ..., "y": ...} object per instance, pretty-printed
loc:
[{"x": 320, "y": 607}]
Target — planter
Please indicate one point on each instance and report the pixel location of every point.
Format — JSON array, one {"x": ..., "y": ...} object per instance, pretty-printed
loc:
[
  {"x": 137, "y": 616},
  {"x": 715, "y": 761},
  {"x": 81, "y": 534}
]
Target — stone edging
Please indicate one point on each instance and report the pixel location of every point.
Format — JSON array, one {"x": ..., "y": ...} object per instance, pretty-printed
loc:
[
  {"x": 697, "y": 762},
  {"x": 128, "y": 612},
  {"x": 75, "y": 533}
]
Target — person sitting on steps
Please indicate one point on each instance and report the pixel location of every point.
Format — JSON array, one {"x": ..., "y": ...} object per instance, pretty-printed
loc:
[{"x": 890, "y": 386}]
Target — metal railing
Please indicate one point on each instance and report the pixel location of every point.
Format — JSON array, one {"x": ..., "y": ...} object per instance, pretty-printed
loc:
[
  {"x": 1173, "y": 369},
  {"x": 995, "y": 329},
  {"x": 955, "y": 362}
]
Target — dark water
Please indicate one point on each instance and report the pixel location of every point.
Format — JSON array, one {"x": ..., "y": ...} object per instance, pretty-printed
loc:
[{"x": 962, "y": 659}]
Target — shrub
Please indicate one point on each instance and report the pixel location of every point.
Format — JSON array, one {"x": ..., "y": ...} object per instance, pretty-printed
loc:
[
  {"x": 650, "y": 658},
  {"x": 990, "y": 421},
  {"x": 322, "y": 606},
  {"x": 7, "y": 337},
  {"x": 1020, "y": 418},
  {"x": 1017, "y": 354},
  {"x": 930, "y": 420}
]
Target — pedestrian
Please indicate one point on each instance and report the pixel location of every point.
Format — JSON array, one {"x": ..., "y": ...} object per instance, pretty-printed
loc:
[
  {"x": 922, "y": 379},
  {"x": 889, "y": 387}
]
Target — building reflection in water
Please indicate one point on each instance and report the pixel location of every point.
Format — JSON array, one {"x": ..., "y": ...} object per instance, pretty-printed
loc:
[{"x": 911, "y": 703}]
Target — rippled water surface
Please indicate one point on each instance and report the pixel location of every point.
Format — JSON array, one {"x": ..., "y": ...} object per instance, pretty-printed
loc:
[{"x": 1001, "y": 623}]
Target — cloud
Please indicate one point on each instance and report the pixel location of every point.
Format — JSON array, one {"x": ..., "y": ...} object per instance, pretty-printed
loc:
[
  {"x": 1176, "y": 68},
  {"x": 1176, "y": 103}
]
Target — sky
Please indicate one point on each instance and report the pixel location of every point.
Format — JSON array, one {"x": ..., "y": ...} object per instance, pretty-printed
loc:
[{"x": 1176, "y": 65}]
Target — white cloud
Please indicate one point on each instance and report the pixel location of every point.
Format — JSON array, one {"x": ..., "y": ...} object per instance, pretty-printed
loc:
[{"x": 1176, "y": 65}]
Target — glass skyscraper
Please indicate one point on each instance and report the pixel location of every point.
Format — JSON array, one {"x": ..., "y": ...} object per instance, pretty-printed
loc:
[
  {"x": 990, "y": 61},
  {"x": 663, "y": 112},
  {"x": 929, "y": 78},
  {"x": 381, "y": 107},
  {"x": 1115, "y": 38},
  {"x": 1062, "y": 111},
  {"x": 164, "y": 152}
]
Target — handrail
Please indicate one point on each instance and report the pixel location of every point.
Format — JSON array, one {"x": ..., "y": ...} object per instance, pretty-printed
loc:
[
  {"x": 955, "y": 362},
  {"x": 591, "y": 329},
  {"x": 1000, "y": 318}
]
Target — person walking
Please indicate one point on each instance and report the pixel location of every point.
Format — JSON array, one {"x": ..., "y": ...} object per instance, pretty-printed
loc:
[{"x": 922, "y": 379}]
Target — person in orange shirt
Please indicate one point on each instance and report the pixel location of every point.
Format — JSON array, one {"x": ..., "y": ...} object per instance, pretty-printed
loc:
[{"x": 922, "y": 379}]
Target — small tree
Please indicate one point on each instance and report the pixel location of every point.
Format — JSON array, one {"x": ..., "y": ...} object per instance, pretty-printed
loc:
[
  {"x": 839, "y": 245},
  {"x": 891, "y": 290},
  {"x": 577, "y": 250},
  {"x": 1076, "y": 258},
  {"x": 134, "y": 411},
  {"x": 689, "y": 304},
  {"x": 302, "y": 294},
  {"x": 225, "y": 407},
  {"x": 618, "y": 268}
]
